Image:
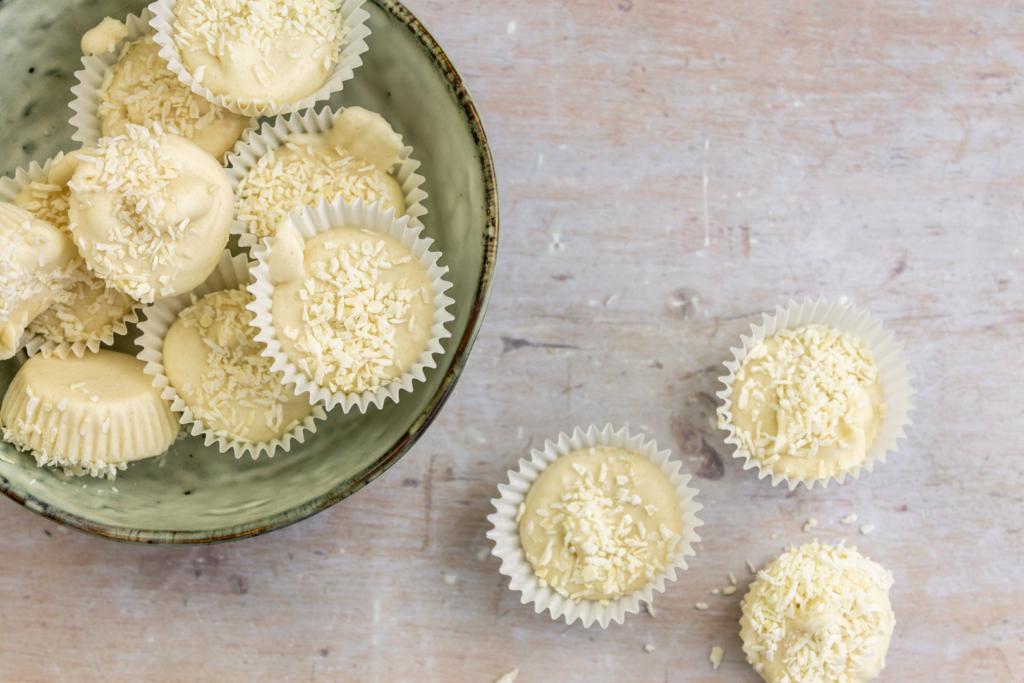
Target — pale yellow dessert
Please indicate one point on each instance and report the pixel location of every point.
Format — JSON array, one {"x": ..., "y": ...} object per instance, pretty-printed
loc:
[
  {"x": 818, "y": 614},
  {"x": 807, "y": 403},
  {"x": 352, "y": 160},
  {"x": 103, "y": 37},
  {"x": 278, "y": 51},
  {"x": 89, "y": 415},
  {"x": 150, "y": 212},
  {"x": 360, "y": 313},
  {"x": 600, "y": 523},
  {"x": 213, "y": 361},
  {"x": 89, "y": 308},
  {"x": 36, "y": 264},
  {"x": 140, "y": 89}
]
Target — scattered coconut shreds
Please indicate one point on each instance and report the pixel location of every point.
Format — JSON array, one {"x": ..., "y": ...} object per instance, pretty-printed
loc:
[
  {"x": 774, "y": 536},
  {"x": 809, "y": 382},
  {"x": 716, "y": 656},
  {"x": 648, "y": 648},
  {"x": 848, "y": 519},
  {"x": 728, "y": 590},
  {"x": 715, "y": 591},
  {"x": 810, "y": 524},
  {"x": 23, "y": 278},
  {"x": 732, "y": 579},
  {"x": 153, "y": 93},
  {"x": 818, "y": 580},
  {"x": 751, "y": 567},
  {"x": 218, "y": 26},
  {"x": 701, "y": 606},
  {"x": 867, "y": 529},
  {"x": 281, "y": 183},
  {"x": 510, "y": 677},
  {"x": 237, "y": 388}
]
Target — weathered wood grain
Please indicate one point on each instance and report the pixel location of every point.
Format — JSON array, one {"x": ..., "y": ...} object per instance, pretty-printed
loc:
[{"x": 868, "y": 148}]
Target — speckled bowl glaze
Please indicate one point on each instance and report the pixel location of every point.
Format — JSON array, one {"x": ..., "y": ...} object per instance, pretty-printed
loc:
[{"x": 194, "y": 494}]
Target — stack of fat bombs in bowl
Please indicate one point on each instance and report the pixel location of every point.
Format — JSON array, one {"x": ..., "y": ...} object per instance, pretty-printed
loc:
[
  {"x": 331, "y": 298},
  {"x": 596, "y": 521}
]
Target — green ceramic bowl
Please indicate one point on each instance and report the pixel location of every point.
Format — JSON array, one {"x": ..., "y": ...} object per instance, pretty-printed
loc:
[{"x": 196, "y": 494}]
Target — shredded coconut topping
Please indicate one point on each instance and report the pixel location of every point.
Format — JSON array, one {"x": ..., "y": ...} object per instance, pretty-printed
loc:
[
  {"x": 275, "y": 187},
  {"x": 217, "y": 25},
  {"x": 809, "y": 381},
  {"x": 817, "y": 608},
  {"x": 237, "y": 386}
]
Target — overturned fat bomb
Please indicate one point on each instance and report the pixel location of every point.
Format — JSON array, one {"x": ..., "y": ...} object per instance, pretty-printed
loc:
[
  {"x": 89, "y": 415},
  {"x": 150, "y": 212},
  {"x": 353, "y": 160}
]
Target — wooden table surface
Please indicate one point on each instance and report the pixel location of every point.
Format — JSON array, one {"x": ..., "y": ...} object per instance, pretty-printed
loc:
[{"x": 667, "y": 171}]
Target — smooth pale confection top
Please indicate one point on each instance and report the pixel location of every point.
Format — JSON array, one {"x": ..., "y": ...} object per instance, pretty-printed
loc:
[
  {"x": 818, "y": 613},
  {"x": 352, "y": 160},
  {"x": 278, "y": 51},
  {"x": 808, "y": 403},
  {"x": 88, "y": 309},
  {"x": 36, "y": 263},
  {"x": 104, "y": 37},
  {"x": 90, "y": 415},
  {"x": 361, "y": 313},
  {"x": 140, "y": 89},
  {"x": 213, "y": 361},
  {"x": 151, "y": 213},
  {"x": 600, "y": 523}
]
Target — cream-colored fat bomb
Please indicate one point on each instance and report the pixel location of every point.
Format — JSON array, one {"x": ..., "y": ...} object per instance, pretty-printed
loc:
[
  {"x": 36, "y": 264},
  {"x": 89, "y": 415},
  {"x": 807, "y": 403},
  {"x": 89, "y": 307},
  {"x": 151, "y": 213},
  {"x": 140, "y": 89},
  {"x": 213, "y": 361},
  {"x": 600, "y": 523},
  {"x": 352, "y": 160},
  {"x": 278, "y": 51},
  {"x": 818, "y": 613},
  {"x": 360, "y": 313}
]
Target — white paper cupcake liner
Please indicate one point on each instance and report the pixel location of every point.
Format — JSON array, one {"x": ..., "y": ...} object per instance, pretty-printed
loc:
[
  {"x": 37, "y": 343},
  {"x": 369, "y": 216},
  {"x": 230, "y": 273},
  {"x": 509, "y": 550},
  {"x": 88, "y": 127},
  {"x": 355, "y": 45},
  {"x": 892, "y": 370},
  {"x": 254, "y": 145}
]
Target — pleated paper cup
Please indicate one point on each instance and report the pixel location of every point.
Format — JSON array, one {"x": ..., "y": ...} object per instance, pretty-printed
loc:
[
  {"x": 369, "y": 217},
  {"x": 254, "y": 145},
  {"x": 892, "y": 371},
  {"x": 231, "y": 273},
  {"x": 509, "y": 549},
  {"x": 37, "y": 343},
  {"x": 355, "y": 45},
  {"x": 88, "y": 127}
]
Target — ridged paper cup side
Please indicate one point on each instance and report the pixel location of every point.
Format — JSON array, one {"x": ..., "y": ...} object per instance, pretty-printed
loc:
[
  {"x": 355, "y": 45},
  {"x": 88, "y": 127},
  {"x": 892, "y": 371},
  {"x": 368, "y": 216},
  {"x": 230, "y": 273},
  {"x": 254, "y": 145},
  {"x": 37, "y": 343},
  {"x": 508, "y": 548}
]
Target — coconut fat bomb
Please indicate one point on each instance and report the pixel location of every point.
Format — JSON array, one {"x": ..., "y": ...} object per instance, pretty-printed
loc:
[
  {"x": 89, "y": 307},
  {"x": 278, "y": 51},
  {"x": 808, "y": 403},
  {"x": 213, "y": 361},
  {"x": 150, "y": 212},
  {"x": 36, "y": 264},
  {"x": 352, "y": 160},
  {"x": 89, "y": 415}
]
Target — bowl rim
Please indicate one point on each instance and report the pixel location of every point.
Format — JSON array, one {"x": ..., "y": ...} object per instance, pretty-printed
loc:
[{"x": 460, "y": 355}]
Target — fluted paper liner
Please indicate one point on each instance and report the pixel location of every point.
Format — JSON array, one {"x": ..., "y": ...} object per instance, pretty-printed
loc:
[
  {"x": 369, "y": 216},
  {"x": 88, "y": 127},
  {"x": 892, "y": 372},
  {"x": 230, "y": 273},
  {"x": 509, "y": 550},
  {"x": 355, "y": 45},
  {"x": 37, "y": 343},
  {"x": 254, "y": 145},
  {"x": 55, "y": 435}
]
